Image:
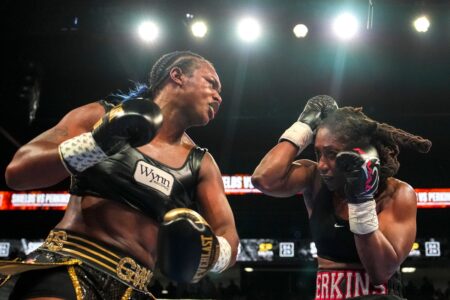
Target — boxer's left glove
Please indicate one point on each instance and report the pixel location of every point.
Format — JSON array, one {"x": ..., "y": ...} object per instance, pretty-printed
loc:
[
  {"x": 360, "y": 167},
  {"x": 301, "y": 132},
  {"x": 187, "y": 247},
  {"x": 132, "y": 123}
]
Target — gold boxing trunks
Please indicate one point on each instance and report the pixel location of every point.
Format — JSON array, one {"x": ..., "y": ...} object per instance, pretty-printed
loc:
[{"x": 77, "y": 250}]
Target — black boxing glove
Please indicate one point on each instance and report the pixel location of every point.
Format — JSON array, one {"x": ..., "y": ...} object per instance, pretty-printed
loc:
[
  {"x": 360, "y": 168},
  {"x": 134, "y": 122},
  {"x": 316, "y": 109},
  {"x": 187, "y": 247},
  {"x": 301, "y": 132}
]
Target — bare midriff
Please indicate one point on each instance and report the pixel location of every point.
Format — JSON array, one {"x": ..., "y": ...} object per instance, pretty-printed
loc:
[{"x": 115, "y": 224}]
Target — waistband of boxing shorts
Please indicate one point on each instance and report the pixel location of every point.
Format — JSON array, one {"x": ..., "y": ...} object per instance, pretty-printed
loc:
[
  {"x": 99, "y": 256},
  {"x": 349, "y": 283}
]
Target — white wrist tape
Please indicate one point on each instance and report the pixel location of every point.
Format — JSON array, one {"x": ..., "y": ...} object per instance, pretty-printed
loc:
[
  {"x": 80, "y": 152},
  {"x": 363, "y": 217},
  {"x": 224, "y": 257},
  {"x": 300, "y": 134}
]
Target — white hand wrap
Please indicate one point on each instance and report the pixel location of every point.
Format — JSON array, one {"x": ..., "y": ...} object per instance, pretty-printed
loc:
[
  {"x": 224, "y": 257},
  {"x": 363, "y": 217},
  {"x": 80, "y": 152},
  {"x": 300, "y": 134}
]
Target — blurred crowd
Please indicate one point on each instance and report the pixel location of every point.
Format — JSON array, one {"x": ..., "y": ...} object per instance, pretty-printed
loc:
[{"x": 207, "y": 289}]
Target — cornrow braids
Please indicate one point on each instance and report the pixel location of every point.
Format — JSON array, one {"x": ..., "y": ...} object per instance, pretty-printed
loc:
[
  {"x": 354, "y": 128},
  {"x": 187, "y": 61}
]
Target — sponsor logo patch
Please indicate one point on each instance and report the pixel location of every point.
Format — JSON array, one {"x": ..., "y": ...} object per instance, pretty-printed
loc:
[{"x": 154, "y": 177}]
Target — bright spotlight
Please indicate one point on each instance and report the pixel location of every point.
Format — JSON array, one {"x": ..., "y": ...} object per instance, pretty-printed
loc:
[
  {"x": 199, "y": 29},
  {"x": 248, "y": 269},
  {"x": 408, "y": 270},
  {"x": 148, "y": 31},
  {"x": 422, "y": 24},
  {"x": 300, "y": 30},
  {"x": 345, "y": 26},
  {"x": 249, "y": 29}
]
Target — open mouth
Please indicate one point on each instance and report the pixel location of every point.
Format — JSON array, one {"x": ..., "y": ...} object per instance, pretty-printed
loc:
[{"x": 214, "y": 108}]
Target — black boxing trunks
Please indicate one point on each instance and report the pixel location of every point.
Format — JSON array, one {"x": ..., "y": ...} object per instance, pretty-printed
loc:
[
  {"x": 354, "y": 284},
  {"x": 96, "y": 270}
]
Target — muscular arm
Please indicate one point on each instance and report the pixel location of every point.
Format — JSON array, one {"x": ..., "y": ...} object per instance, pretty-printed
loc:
[
  {"x": 214, "y": 204},
  {"x": 382, "y": 251},
  {"x": 37, "y": 164},
  {"x": 279, "y": 175}
]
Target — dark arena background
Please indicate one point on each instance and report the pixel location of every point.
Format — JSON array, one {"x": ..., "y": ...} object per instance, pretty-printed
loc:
[{"x": 57, "y": 55}]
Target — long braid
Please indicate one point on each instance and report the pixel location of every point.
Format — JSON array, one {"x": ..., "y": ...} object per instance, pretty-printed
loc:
[
  {"x": 389, "y": 140},
  {"x": 407, "y": 139},
  {"x": 354, "y": 128}
]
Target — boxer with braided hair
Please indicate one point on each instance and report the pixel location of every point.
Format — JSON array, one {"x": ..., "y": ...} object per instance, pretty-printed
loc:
[
  {"x": 184, "y": 60},
  {"x": 362, "y": 219},
  {"x": 355, "y": 127},
  {"x": 143, "y": 195}
]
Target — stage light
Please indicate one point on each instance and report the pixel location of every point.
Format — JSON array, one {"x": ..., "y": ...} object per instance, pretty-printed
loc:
[
  {"x": 300, "y": 30},
  {"x": 248, "y": 269},
  {"x": 199, "y": 29},
  {"x": 148, "y": 31},
  {"x": 345, "y": 26},
  {"x": 408, "y": 270},
  {"x": 249, "y": 29},
  {"x": 422, "y": 24}
]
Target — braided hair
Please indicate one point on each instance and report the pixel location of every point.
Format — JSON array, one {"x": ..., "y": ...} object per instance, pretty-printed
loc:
[
  {"x": 187, "y": 61},
  {"x": 354, "y": 128}
]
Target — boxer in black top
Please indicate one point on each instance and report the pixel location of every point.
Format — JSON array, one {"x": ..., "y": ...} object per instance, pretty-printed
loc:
[
  {"x": 137, "y": 181},
  {"x": 363, "y": 220}
]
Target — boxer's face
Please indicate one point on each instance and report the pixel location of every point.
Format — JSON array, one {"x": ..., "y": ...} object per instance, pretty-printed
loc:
[
  {"x": 327, "y": 146},
  {"x": 201, "y": 94}
]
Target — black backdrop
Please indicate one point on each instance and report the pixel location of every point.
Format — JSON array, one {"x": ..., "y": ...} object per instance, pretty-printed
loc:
[{"x": 397, "y": 75}]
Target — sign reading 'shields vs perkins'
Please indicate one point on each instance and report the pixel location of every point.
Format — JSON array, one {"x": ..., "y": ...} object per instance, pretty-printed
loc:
[{"x": 234, "y": 185}]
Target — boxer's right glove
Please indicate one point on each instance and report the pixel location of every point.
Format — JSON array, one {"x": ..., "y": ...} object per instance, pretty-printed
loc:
[
  {"x": 360, "y": 167},
  {"x": 187, "y": 247},
  {"x": 301, "y": 132},
  {"x": 132, "y": 123}
]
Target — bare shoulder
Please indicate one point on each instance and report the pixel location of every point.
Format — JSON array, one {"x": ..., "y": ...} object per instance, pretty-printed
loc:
[
  {"x": 75, "y": 122},
  {"x": 399, "y": 196},
  {"x": 402, "y": 190},
  {"x": 210, "y": 180},
  {"x": 81, "y": 119},
  {"x": 91, "y": 111},
  {"x": 209, "y": 160}
]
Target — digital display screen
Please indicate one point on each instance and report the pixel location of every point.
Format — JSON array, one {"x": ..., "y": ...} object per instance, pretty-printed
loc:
[
  {"x": 233, "y": 184},
  {"x": 272, "y": 250},
  {"x": 254, "y": 250}
]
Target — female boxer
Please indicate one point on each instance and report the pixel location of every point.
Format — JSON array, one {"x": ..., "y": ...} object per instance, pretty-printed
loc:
[{"x": 362, "y": 219}]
